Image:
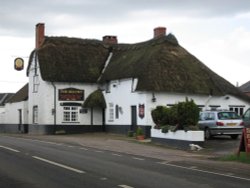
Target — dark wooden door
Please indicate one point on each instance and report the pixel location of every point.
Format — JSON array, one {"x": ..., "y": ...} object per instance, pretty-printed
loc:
[{"x": 133, "y": 118}]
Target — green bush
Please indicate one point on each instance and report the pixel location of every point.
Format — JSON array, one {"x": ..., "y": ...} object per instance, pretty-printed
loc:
[
  {"x": 182, "y": 115},
  {"x": 161, "y": 115},
  {"x": 165, "y": 129}
]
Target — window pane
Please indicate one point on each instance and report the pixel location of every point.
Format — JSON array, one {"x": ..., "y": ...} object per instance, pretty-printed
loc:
[
  {"x": 70, "y": 114},
  {"x": 35, "y": 114}
]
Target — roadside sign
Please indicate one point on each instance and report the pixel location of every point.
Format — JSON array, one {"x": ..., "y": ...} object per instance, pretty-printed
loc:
[{"x": 245, "y": 141}]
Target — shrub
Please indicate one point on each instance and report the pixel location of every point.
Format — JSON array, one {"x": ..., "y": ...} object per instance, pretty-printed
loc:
[
  {"x": 188, "y": 113},
  {"x": 161, "y": 115},
  {"x": 165, "y": 129},
  {"x": 182, "y": 115}
]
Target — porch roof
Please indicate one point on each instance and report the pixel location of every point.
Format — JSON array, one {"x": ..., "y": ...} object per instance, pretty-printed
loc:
[{"x": 95, "y": 99}]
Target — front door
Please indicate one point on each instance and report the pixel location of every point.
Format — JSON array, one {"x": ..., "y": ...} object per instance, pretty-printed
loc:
[
  {"x": 20, "y": 120},
  {"x": 133, "y": 118}
]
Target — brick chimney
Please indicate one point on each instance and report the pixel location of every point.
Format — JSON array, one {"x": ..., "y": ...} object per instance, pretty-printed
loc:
[
  {"x": 39, "y": 34},
  {"x": 108, "y": 39},
  {"x": 159, "y": 32}
]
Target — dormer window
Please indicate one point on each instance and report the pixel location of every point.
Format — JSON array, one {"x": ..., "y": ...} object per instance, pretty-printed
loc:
[{"x": 134, "y": 84}]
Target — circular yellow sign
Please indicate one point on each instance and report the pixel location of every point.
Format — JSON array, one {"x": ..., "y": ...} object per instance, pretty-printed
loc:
[{"x": 19, "y": 63}]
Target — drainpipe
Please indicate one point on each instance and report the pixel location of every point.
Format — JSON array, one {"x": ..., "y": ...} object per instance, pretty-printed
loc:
[
  {"x": 206, "y": 103},
  {"x": 54, "y": 106}
]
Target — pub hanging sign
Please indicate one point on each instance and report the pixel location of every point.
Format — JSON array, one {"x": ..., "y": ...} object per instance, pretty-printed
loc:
[
  {"x": 70, "y": 94},
  {"x": 18, "y": 64}
]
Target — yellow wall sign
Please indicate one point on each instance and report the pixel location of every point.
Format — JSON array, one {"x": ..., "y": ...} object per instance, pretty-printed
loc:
[{"x": 18, "y": 64}]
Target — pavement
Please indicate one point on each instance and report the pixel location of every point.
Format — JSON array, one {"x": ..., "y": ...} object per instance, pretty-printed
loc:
[{"x": 205, "y": 159}]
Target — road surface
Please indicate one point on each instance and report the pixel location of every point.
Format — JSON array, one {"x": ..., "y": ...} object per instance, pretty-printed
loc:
[{"x": 31, "y": 163}]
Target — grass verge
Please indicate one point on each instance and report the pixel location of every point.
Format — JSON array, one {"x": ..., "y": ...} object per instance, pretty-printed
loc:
[{"x": 243, "y": 157}]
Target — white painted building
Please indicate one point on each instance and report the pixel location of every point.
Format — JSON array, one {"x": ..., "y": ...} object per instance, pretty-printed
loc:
[
  {"x": 78, "y": 85},
  {"x": 14, "y": 119},
  {"x": 122, "y": 101}
]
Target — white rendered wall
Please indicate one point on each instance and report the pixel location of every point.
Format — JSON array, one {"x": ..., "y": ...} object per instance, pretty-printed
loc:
[
  {"x": 12, "y": 112},
  {"x": 47, "y": 101},
  {"x": 121, "y": 94}
]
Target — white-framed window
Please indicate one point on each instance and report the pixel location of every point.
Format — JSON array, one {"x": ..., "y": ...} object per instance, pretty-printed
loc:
[
  {"x": 238, "y": 109},
  {"x": 70, "y": 114},
  {"x": 35, "y": 114},
  {"x": 35, "y": 83},
  {"x": 111, "y": 112}
]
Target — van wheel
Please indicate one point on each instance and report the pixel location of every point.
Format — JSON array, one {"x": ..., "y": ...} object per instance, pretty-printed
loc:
[
  {"x": 234, "y": 136},
  {"x": 207, "y": 134}
]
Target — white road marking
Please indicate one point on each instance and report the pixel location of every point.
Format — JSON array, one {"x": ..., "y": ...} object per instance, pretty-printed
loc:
[
  {"x": 136, "y": 158},
  {"x": 84, "y": 148},
  {"x": 193, "y": 167},
  {"x": 58, "y": 164},
  {"x": 103, "y": 178},
  {"x": 125, "y": 186},
  {"x": 115, "y": 154},
  {"x": 10, "y": 149},
  {"x": 36, "y": 140},
  {"x": 205, "y": 171},
  {"x": 99, "y": 151},
  {"x": 164, "y": 162}
]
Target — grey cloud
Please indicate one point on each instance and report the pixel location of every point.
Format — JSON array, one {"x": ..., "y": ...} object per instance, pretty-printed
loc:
[{"x": 18, "y": 16}]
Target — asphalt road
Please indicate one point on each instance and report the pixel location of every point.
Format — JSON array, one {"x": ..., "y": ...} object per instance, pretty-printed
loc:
[{"x": 31, "y": 163}]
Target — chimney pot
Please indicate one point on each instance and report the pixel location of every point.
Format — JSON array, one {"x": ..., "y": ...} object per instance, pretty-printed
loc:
[
  {"x": 108, "y": 39},
  {"x": 159, "y": 32},
  {"x": 39, "y": 34}
]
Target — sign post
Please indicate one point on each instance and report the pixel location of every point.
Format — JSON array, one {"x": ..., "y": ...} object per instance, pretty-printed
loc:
[{"x": 245, "y": 142}]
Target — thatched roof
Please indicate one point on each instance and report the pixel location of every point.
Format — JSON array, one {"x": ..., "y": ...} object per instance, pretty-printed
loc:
[
  {"x": 95, "y": 99},
  {"x": 245, "y": 87},
  {"x": 20, "y": 95},
  {"x": 160, "y": 64},
  {"x": 163, "y": 65},
  {"x": 63, "y": 59}
]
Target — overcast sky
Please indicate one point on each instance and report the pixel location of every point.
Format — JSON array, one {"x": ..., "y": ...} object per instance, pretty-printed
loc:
[{"x": 217, "y": 32}]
